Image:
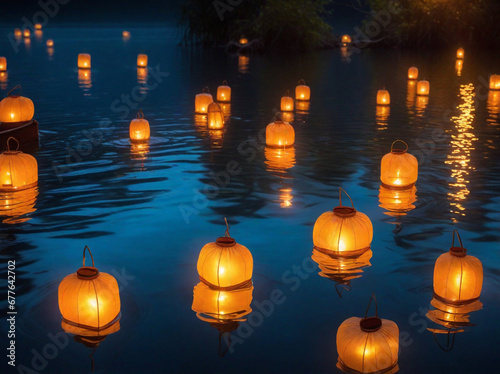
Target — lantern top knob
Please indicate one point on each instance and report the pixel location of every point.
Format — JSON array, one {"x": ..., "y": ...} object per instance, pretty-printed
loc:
[
  {"x": 399, "y": 150},
  {"x": 87, "y": 272},
  {"x": 344, "y": 211},
  {"x": 226, "y": 240},
  {"x": 457, "y": 251}
]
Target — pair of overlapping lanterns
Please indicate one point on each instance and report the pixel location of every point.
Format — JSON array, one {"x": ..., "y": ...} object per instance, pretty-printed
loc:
[
  {"x": 223, "y": 296},
  {"x": 423, "y": 86},
  {"x": 89, "y": 302},
  {"x": 368, "y": 345},
  {"x": 302, "y": 96},
  {"x": 458, "y": 281},
  {"x": 398, "y": 174},
  {"x": 204, "y": 104}
]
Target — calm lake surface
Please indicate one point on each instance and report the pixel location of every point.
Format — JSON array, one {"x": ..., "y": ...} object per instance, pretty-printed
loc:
[{"x": 146, "y": 213}]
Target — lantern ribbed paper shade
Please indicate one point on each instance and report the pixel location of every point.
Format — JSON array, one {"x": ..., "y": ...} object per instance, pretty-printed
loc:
[
  {"x": 398, "y": 168},
  {"x": 18, "y": 170}
]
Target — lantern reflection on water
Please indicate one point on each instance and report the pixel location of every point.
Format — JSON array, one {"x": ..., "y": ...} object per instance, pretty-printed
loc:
[
  {"x": 4, "y": 79},
  {"x": 216, "y": 138},
  {"x": 492, "y": 105},
  {"x": 222, "y": 309},
  {"x": 302, "y": 107},
  {"x": 411, "y": 93},
  {"x": 226, "y": 108},
  {"x": 421, "y": 104},
  {"x": 343, "y": 231},
  {"x": 243, "y": 62},
  {"x": 285, "y": 196},
  {"x": 279, "y": 159},
  {"x": 139, "y": 150},
  {"x": 341, "y": 269},
  {"x": 397, "y": 202},
  {"x": 85, "y": 79},
  {"x": 458, "y": 67},
  {"x": 225, "y": 264},
  {"x": 38, "y": 34},
  {"x": 15, "y": 205},
  {"x": 142, "y": 76},
  {"x": 288, "y": 117},
  {"x": 368, "y": 345},
  {"x": 382, "y": 115}
]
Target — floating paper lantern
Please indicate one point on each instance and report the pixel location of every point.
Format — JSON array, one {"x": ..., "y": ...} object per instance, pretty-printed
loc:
[
  {"x": 202, "y": 101},
  {"x": 16, "y": 108},
  {"x": 3, "y": 64},
  {"x": 142, "y": 61},
  {"x": 18, "y": 170},
  {"x": 413, "y": 72},
  {"x": 279, "y": 159},
  {"x": 215, "y": 117},
  {"x": 139, "y": 128},
  {"x": 83, "y": 61},
  {"x": 458, "y": 277},
  {"x": 495, "y": 82},
  {"x": 346, "y": 39},
  {"x": 398, "y": 169},
  {"x": 243, "y": 62},
  {"x": 423, "y": 88},
  {"x": 26, "y": 33},
  {"x": 339, "y": 269},
  {"x": 368, "y": 345},
  {"x": 279, "y": 133},
  {"x": 343, "y": 231},
  {"x": 38, "y": 26},
  {"x": 89, "y": 299},
  {"x": 397, "y": 202},
  {"x": 50, "y": 43},
  {"x": 243, "y": 41},
  {"x": 460, "y": 53},
  {"x": 18, "y": 33},
  {"x": 383, "y": 97},
  {"x": 287, "y": 102},
  {"x": 458, "y": 66},
  {"x": 224, "y": 93},
  {"x": 126, "y": 34},
  {"x": 302, "y": 92},
  {"x": 225, "y": 264}
]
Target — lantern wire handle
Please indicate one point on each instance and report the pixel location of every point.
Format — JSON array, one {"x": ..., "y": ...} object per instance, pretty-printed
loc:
[
  {"x": 448, "y": 346},
  {"x": 16, "y": 87},
  {"x": 224, "y": 82},
  {"x": 8, "y": 146},
  {"x": 221, "y": 335},
  {"x": 92, "y": 359},
  {"x": 345, "y": 285},
  {"x": 459, "y": 239},
  {"x": 206, "y": 89},
  {"x": 90, "y": 253},
  {"x": 140, "y": 114},
  {"x": 376, "y": 306},
  {"x": 394, "y": 142},
  {"x": 302, "y": 82},
  {"x": 287, "y": 93},
  {"x": 226, "y": 234},
  {"x": 340, "y": 196}
]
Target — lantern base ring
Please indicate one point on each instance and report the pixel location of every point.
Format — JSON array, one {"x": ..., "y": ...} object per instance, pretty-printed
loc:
[
  {"x": 91, "y": 328},
  {"x": 228, "y": 288},
  {"x": 342, "y": 366},
  {"x": 342, "y": 254},
  {"x": 454, "y": 303},
  {"x": 397, "y": 188}
]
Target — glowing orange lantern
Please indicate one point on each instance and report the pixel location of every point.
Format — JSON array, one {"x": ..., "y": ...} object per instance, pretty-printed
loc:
[
  {"x": 279, "y": 133},
  {"x": 83, "y": 61},
  {"x": 302, "y": 92},
  {"x": 383, "y": 97},
  {"x": 279, "y": 159},
  {"x": 224, "y": 93},
  {"x": 3, "y": 64},
  {"x": 18, "y": 170},
  {"x": 343, "y": 231},
  {"x": 458, "y": 66},
  {"x": 243, "y": 41},
  {"x": 460, "y": 53},
  {"x": 50, "y": 43},
  {"x": 423, "y": 88},
  {"x": 495, "y": 82},
  {"x": 38, "y": 26},
  {"x": 243, "y": 62},
  {"x": 397, "y": 202},
  {"x": 89, "y": 298},
  {"x": 18, "y": 33},
  {"x": 139, "y": 128},
  {"x": 368, "y": 345},
  {"x": 413, "y": 72},
  {"x": 398, "y": 169},
  {"x": 26, "y": 33},
  {"x": 142, "y": 60},
  {"x": 458, "y": 277},
  {"x": 341, "y": 269},
  {"x": 287, "y": 102},
  {"x": 225, "y": 264},
  {"x": 346, "y": 39},
  {"x": 215, "y": 118},
  {"x": 126, "y": 34},
  {"x": 202, "y": 101},
  {"x": 492, "y": 104},
  {"x": 16, "y": 108}
]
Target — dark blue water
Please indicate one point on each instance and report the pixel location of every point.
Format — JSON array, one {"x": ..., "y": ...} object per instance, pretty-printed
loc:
[{"x": 146, "y": 213}]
